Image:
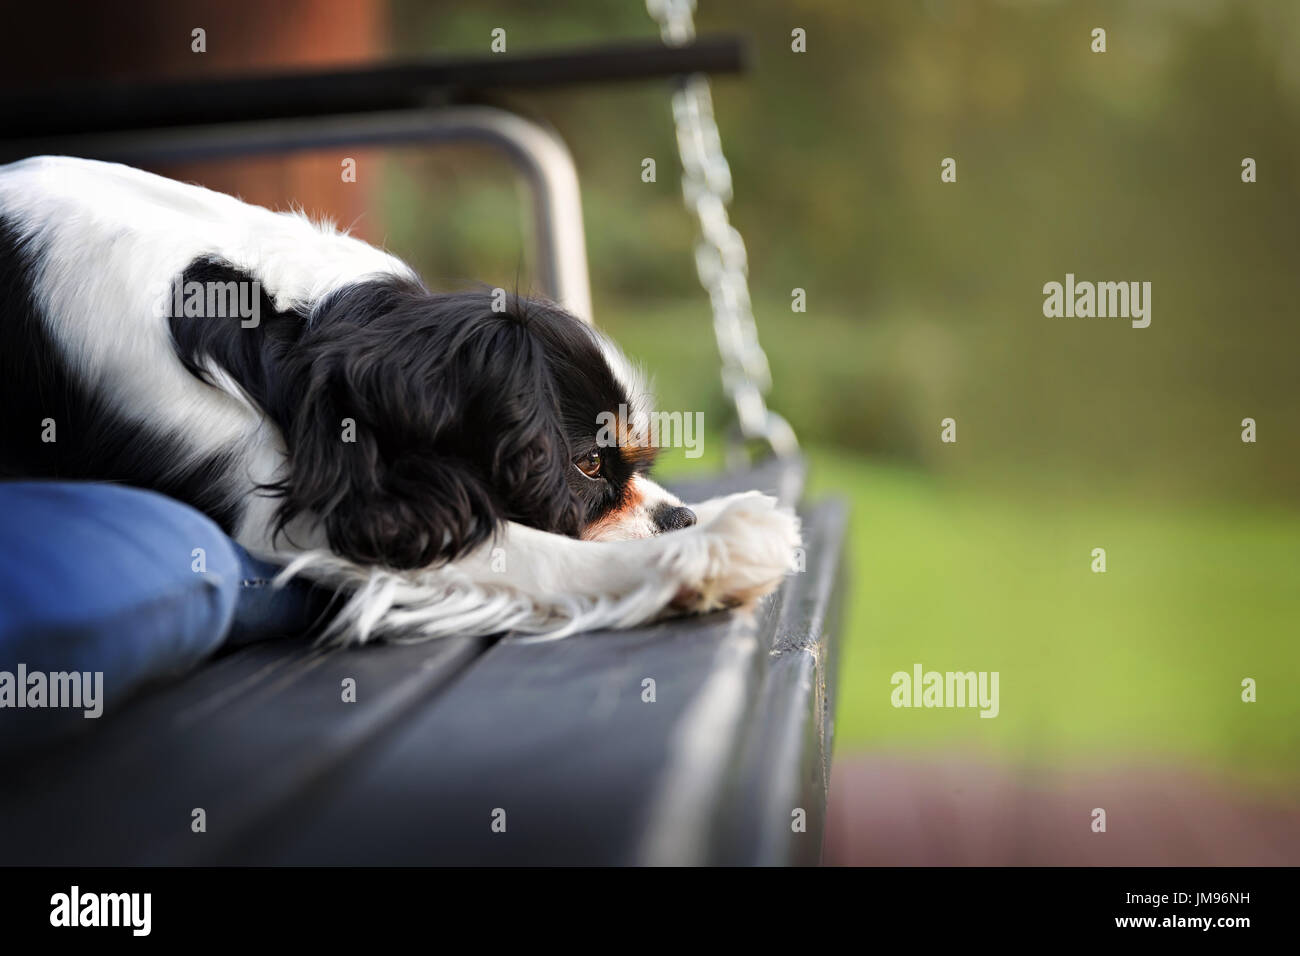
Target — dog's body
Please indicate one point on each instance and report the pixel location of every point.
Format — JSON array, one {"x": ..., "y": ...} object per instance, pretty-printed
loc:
[{"x": 437, "y": 454}]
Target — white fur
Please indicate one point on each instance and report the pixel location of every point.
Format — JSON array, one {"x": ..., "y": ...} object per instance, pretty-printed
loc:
[
  {"x": 550, "y": 586},
  {"x": 113, "y": 238},
  {"x": 637, "y": 522},
  {"x": 110, "y": 237}
]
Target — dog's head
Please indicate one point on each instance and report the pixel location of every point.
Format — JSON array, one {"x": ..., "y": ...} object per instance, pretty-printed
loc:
[
  {"x": 604, "y": 407},
  {"x": 416, "y": 423}
]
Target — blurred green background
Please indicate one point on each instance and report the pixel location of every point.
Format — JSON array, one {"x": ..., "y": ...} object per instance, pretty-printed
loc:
[{"x": 924, "y": 300}]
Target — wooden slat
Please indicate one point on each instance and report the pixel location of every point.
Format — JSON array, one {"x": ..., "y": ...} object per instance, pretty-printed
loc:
[
  {"x": 555, "y": 734},
  {"x": 245, "y": 734},
  {"x": 784, "y": 479},
  {"x": 784, "y": 760}
]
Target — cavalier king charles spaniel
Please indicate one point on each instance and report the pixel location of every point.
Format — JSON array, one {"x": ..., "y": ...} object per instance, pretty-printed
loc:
[{"x": 439, "y": 456}]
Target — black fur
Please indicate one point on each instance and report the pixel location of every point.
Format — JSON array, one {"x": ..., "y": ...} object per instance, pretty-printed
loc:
[
  {"x": 464, "y": 417},
  {"x": 92, "y": 440}
]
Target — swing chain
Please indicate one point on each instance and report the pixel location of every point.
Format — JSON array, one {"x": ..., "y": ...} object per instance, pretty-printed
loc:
[{"x": 720, "y": 257}]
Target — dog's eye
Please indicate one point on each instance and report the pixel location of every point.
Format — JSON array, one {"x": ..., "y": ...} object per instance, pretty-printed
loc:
[{"x": 589, "y": 464}]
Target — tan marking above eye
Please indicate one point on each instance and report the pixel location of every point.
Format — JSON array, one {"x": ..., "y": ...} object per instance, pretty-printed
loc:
[
  {"x": 589, "y": 464},
  {"x": 634, "y": 448}
]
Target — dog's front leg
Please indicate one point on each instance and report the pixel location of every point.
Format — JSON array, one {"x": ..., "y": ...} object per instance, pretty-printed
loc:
[{"x": 532, "y": 582}]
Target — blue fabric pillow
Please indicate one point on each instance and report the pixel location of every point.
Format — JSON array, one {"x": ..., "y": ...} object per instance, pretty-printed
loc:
[{"x": 106, "y": 579}]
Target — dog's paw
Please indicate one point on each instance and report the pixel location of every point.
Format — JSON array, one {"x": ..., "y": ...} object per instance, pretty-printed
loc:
[{"x": 747, "y": 545}]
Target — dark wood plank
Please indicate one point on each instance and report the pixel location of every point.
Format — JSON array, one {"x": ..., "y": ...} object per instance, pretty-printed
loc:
[
  {"x": 784, "y": 479},
  {"x": 244, "y": 735},
  {"x": 557, "y": 735},
  {"x": 784, "y": 760}
]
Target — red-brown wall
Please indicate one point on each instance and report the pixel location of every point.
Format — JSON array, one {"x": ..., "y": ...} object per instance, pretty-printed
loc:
[{"x": 59, "y": 42}]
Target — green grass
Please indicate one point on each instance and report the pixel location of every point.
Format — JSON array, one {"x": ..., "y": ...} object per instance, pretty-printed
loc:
[
  {"x": 1145, "y": 660},
  {"x": 1140, "y": 664}
]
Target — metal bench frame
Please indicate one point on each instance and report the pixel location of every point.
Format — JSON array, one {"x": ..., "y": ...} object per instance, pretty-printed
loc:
[
  {"x": 426, "y": 102},
  {"x": 535, "y": 151}
]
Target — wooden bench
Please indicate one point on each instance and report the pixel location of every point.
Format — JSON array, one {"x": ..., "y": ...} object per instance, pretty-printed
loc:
[{"x": 445, "y": 735}]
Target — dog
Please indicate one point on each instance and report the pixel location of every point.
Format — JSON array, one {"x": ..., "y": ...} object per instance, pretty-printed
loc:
[{"x": 438, "y": 457}]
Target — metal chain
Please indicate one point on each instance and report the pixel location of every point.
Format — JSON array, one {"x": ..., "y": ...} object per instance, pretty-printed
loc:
[{"x": 720, "y": 257}]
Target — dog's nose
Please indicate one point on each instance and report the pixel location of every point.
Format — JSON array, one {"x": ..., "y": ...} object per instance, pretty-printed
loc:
[{"x": 674, "y": 518}]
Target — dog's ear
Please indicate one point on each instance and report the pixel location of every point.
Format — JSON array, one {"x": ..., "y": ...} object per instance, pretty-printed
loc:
[{"x": 415, "y": 424}]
